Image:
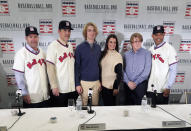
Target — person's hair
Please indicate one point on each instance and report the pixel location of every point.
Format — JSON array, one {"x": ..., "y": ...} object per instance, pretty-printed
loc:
[
  {"x": 136, "y": 35},
  {"x": 107, "y": 42},
  {"x": 86, "y": 27}
]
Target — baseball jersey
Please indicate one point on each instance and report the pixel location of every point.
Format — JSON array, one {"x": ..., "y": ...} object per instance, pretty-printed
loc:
[
  {"x": 162, "y": 57},
  {"x": 63, "y": 58},
  {"x": 34, "y": 68}
]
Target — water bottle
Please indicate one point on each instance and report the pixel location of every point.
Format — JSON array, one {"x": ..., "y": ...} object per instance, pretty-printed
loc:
[
  {"x": 79, "y": 104},
  {"x": 144, "y": 102}
]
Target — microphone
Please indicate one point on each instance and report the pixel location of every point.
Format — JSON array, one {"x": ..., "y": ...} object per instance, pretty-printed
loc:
[
  {"x": 90, "y": 92},
  {"x": 154, "y": 97},
  {"x": 18, "y": 96},
  {"x": 18, "y": 93}
]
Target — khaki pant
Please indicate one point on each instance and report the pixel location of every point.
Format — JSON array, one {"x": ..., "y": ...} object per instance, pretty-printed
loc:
[{"x": 95, "y": 85}]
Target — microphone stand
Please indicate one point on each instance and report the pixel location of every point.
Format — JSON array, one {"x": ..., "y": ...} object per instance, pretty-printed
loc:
[
  {"x": 154, "y": 98},
  {"x": 90, "y": 111},
  {"x": 18, "y": 101}
]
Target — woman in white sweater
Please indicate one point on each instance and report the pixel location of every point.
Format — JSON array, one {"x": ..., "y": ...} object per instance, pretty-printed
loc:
[{"x": 111, "y": 70}]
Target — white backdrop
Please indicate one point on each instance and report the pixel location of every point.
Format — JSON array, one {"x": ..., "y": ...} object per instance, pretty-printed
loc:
[{"x": 122, "y": 17}]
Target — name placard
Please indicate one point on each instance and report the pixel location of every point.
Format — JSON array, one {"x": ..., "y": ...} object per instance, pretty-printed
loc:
[
  {"x": 98, "y": 126},
  {"x": 3, "y": 128},
  {"x": 173, "y": 124}
]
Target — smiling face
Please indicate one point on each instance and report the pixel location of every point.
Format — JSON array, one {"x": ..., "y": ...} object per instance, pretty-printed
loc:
[
  {"x": 158, "y": 38},
  {"x": 136, "y": 44},
  {"x": 112, "y": 44},
  {"x": 32, "y": 41}
]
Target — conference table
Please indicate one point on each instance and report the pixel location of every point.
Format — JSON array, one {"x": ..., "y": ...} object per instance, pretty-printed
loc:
[{"x": 114, "y": 117}]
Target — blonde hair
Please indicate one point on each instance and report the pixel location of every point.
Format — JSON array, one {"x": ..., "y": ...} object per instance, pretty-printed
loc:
[
  {"x": 136, "y": 35},
  {"x": 86, "y": 27}
]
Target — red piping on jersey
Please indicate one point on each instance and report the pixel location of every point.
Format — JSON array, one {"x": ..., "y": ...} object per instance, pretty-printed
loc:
[
  {"x": 62, "y": 44},
  {"x": 173, "y": 63},
  {"x": 33, "y": 52},
  {"x": 50, "y": 62},
  {"x": 18, "y": 71},
  {"x": 159, "y": 46}
]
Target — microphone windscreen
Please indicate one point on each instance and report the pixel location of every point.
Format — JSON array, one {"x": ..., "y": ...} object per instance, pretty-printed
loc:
[
  {"x": 90, "y": 91},
  {"x": 19, "y": 92}
]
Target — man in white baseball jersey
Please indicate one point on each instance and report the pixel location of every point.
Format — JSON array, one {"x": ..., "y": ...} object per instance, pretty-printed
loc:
[
  {"x": 30, "y": 71},
  {"x": 60, "y": 66},
  {"x": 164, "y": 63}
]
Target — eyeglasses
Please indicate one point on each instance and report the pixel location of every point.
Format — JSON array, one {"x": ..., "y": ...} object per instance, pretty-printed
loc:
[
  {"x": 89, "y": 30},
  {"x": 136, "y": 42}
]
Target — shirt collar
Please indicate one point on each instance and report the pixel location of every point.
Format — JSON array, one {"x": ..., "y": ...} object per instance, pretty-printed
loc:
[
  {"x": 93, "y": 42},
  {"x": 31, "y": 49},
  {"x": 136, "y": 51},
  {"x": 62, "y": 42},
  {"x": 158, "y": 46},
  {"x": 111, "y": 51},
  {"x": 89, "y": 43}
]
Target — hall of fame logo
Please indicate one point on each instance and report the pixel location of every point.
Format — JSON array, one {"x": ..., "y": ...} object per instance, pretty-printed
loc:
[
  {"x": 68, "y": 7},
  {"x": 108, "y": 27},
  {"x": 185, "y": 46},
  {"x": 126, "y": 45},
  {"x": 4, "y": 7},
  {"x": 188, "y": 11},
  {"x": 11, "y": 80},
  {"x": 180, "y": 78},
  {"x": 73, "y": 42},
  {"x": 169, "y": 27},
  {"x": 132, "y": 9},
  {"x": 7, "y": 45},
  {"x": 46, "y": 26}
]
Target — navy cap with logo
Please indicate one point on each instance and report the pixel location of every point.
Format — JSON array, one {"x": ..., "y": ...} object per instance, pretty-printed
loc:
[
  {"x": 158, "y": 29},
  {"x": 30, "y": 30},
  {"x": 65, "y": 25}
]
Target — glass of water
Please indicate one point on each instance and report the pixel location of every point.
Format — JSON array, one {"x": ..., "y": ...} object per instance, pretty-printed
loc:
[
  {"x": 149, "y": 102},
  {"x": 71, "y": 104}
]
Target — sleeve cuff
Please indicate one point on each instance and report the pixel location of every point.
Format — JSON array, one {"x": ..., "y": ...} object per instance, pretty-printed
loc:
[
  {"x": 136, "y": 82},
  {"x": 54, "y": 86},
  {"x": 77, "y": 84},
  {"x": 126, "y": 81}
]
